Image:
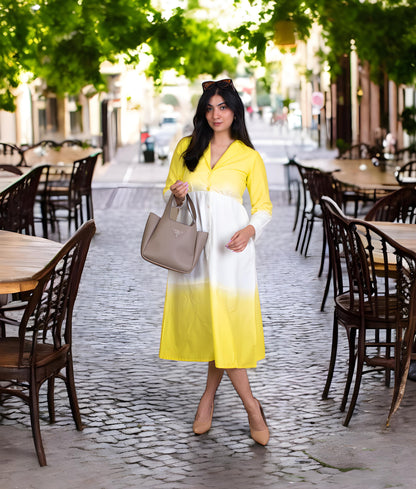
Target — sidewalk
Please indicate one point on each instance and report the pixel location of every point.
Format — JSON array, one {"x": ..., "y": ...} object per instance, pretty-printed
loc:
[{"x": 138, "y": 410}]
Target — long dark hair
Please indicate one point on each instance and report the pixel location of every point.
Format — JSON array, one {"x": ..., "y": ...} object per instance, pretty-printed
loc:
[{"x": 202, "y": 133}]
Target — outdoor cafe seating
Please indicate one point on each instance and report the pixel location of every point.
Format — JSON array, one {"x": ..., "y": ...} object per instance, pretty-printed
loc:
[
  {"x": 41, "y": 349},
  {"x": 11, "y": 154},
  {"x": 375, "y": 301},
  {"x": 406, "y": 175},
  {"x": 64, "y": 190},
  {"x": 63, "y": 197},
  {"x": 17, "y": 203}
]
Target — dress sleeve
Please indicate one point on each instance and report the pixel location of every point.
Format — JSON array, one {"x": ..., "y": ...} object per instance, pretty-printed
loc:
[
  {"x": 177, "y": 167},
  {"x": 261, "y": 206}
]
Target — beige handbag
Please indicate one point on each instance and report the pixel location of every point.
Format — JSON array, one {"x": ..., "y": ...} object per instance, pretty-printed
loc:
[{"x": 171, "y": 244}]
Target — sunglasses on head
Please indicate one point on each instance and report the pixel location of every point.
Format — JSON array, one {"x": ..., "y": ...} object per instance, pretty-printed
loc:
[{"x": 226, "y": 83}]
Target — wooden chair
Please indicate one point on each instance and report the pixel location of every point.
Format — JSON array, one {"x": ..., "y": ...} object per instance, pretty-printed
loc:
[
  {"x": 376, "y": 305},
  {"x": 17, "y": 202},
  {"x": 315, "y": 183},
  {"x": 339, "y": 239},
  {"x": 387, "y": 305},
  {"x": 66, "y": 195},
  {"x": 357, "y": 152},
  {"x": 398, "y": 206},
  {"x": 10, "y": 169},
  {"x": 293, "y": 186},
  {"x": 405, "y": 154},
  {"x": 37, "y": 153},
  {"x": 406, "y": 175},
  {"x": 11, "y": 154},
  {"x": 43, "y": 346}
]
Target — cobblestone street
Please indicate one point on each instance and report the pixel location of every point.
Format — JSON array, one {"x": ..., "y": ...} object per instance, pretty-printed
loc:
[{"x": 138, "y": 410}]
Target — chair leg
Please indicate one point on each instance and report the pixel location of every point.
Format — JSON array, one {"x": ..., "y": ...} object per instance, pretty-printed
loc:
[
  {"x": 327, "y": 285},
  {"x": 332, "y": 359},
  {"x": 351, "y": 366},
  {"x": 308, "y": 240},
  {"x": 297, "y": 210},
  {"x": 34, "y": 421},
  {"x": 358, "y": 377},
  {"x": 387, "y": 374},
  {"x": 90, "y": 208},
  {"x": 72, "y": 394},
  {"x": 323, "y": 253},
  {"x": 51, "y": 399},
  {"x": 302, "y": 223}
]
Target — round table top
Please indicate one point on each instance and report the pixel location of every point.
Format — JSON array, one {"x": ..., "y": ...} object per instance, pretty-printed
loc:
[{"x": 22, "y": 257}]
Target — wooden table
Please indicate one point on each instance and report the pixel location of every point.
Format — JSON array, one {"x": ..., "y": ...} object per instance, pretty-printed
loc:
[
  {"x": 21, "y": 258},
  {"x": 404, "y": 234},
  {"x": 360, "y": 174},
  {"x": 58, "y": 157}
]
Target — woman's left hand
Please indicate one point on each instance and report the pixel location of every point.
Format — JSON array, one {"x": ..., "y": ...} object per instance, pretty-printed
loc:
[{"x": 240, "y": 239}]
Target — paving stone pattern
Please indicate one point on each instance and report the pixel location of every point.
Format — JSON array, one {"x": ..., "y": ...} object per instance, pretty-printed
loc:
[{"x": 138, "y": 410}]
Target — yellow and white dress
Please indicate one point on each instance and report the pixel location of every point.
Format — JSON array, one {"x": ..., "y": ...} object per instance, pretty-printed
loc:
[{"x": 213, "y": 313}]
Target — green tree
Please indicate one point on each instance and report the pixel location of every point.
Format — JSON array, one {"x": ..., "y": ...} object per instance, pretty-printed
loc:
[
  {"x": 65, "y": 42},
  {"x": 383, "y": 32}
]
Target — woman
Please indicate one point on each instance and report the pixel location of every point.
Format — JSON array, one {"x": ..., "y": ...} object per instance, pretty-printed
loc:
[{"x": 213, "y": 314}]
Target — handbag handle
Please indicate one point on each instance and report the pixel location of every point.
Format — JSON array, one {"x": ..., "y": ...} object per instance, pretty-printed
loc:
[{"x": 189, "y": 204}]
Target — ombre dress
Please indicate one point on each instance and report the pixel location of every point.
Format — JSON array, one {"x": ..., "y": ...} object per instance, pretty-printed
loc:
[{"x": 213, "y": 313}]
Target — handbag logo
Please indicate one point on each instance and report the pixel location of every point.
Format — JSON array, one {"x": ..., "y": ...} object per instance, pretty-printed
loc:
[{"x": 177, "y": 232}]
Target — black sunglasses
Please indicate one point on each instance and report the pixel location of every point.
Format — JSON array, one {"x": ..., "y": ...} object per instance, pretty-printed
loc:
[{"x": 226, "y": 83}]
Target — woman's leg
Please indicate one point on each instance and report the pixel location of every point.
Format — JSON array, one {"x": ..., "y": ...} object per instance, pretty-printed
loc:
[
  {"x": 239, "y": 379},
  {"x": 214, "y": 377}
]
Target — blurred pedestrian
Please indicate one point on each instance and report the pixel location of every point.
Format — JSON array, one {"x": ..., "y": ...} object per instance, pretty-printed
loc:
[{"x": 213, "y": 314}]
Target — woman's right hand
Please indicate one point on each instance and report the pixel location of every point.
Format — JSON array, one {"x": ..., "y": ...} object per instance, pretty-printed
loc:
[{"x": 179, "y": 190}]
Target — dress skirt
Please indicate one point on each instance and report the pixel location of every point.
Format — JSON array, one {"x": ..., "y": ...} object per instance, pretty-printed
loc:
[{"x": 213, "y": 313}]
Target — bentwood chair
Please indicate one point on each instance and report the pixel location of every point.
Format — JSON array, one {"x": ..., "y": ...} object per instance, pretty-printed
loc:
[
  {"x": 4, "y": 167},
  {"x": 377, "y": 307},
  {"x": 406, "y": 175},
  {"x": 37, "y": 153},
  {"x": 11, "y": 155},
  {"x": 64, "y": 197},
  {"x": 316, "y": 183},
  {"x": 405, "y": 154},
  {"x": 17, "y": 202},
  {"x": 42, "y": 349},
  {"x": 398, "y": 206},
  {"x": 357, "y": 152}
]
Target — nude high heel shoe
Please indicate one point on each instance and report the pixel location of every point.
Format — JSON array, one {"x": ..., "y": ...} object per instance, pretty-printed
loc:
[
  {"x": 202, "y": 426},
  {"x": 262, "y": 436}
]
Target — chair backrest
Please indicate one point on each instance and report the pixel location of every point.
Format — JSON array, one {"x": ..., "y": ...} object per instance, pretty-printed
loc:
[
  {"x": 48, "y": 315},
  {"x": 406, "y": 175},
  {"x": 87, "y": 171},
  {"x": 71, "y": 143},
  {"x": 405, "y": 154},
  {"x": 386, "y": 278},
  {"x": 341, "y": 247},
  {"x": 398, "y": 206},
  {"x": 10, "y": 154},
  {"x": 17, "y": 201},
  {"x": 81, "y": 178},
  {"x": 37, "y": 153},
  {"x": 318, "y": 183},
  {"x": 5, "y": 167},
  {"x": 357, "y": 152}
]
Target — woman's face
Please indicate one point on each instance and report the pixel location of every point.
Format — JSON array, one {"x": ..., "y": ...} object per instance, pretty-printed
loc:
[{"x": 219, "y": 116}]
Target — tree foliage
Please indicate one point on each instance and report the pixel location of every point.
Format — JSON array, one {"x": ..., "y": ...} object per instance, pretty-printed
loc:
[
  {"x": 382, "y": 31},
  {"x": 65, "y": 42}
]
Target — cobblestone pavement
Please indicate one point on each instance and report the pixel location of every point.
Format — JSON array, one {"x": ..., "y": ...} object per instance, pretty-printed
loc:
[{"x": 138, "y": 410}]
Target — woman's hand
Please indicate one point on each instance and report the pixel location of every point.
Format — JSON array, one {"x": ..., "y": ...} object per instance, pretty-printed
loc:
[
  {"x": 179, "y": 190},
  {"x": 240, "y": 239}
]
